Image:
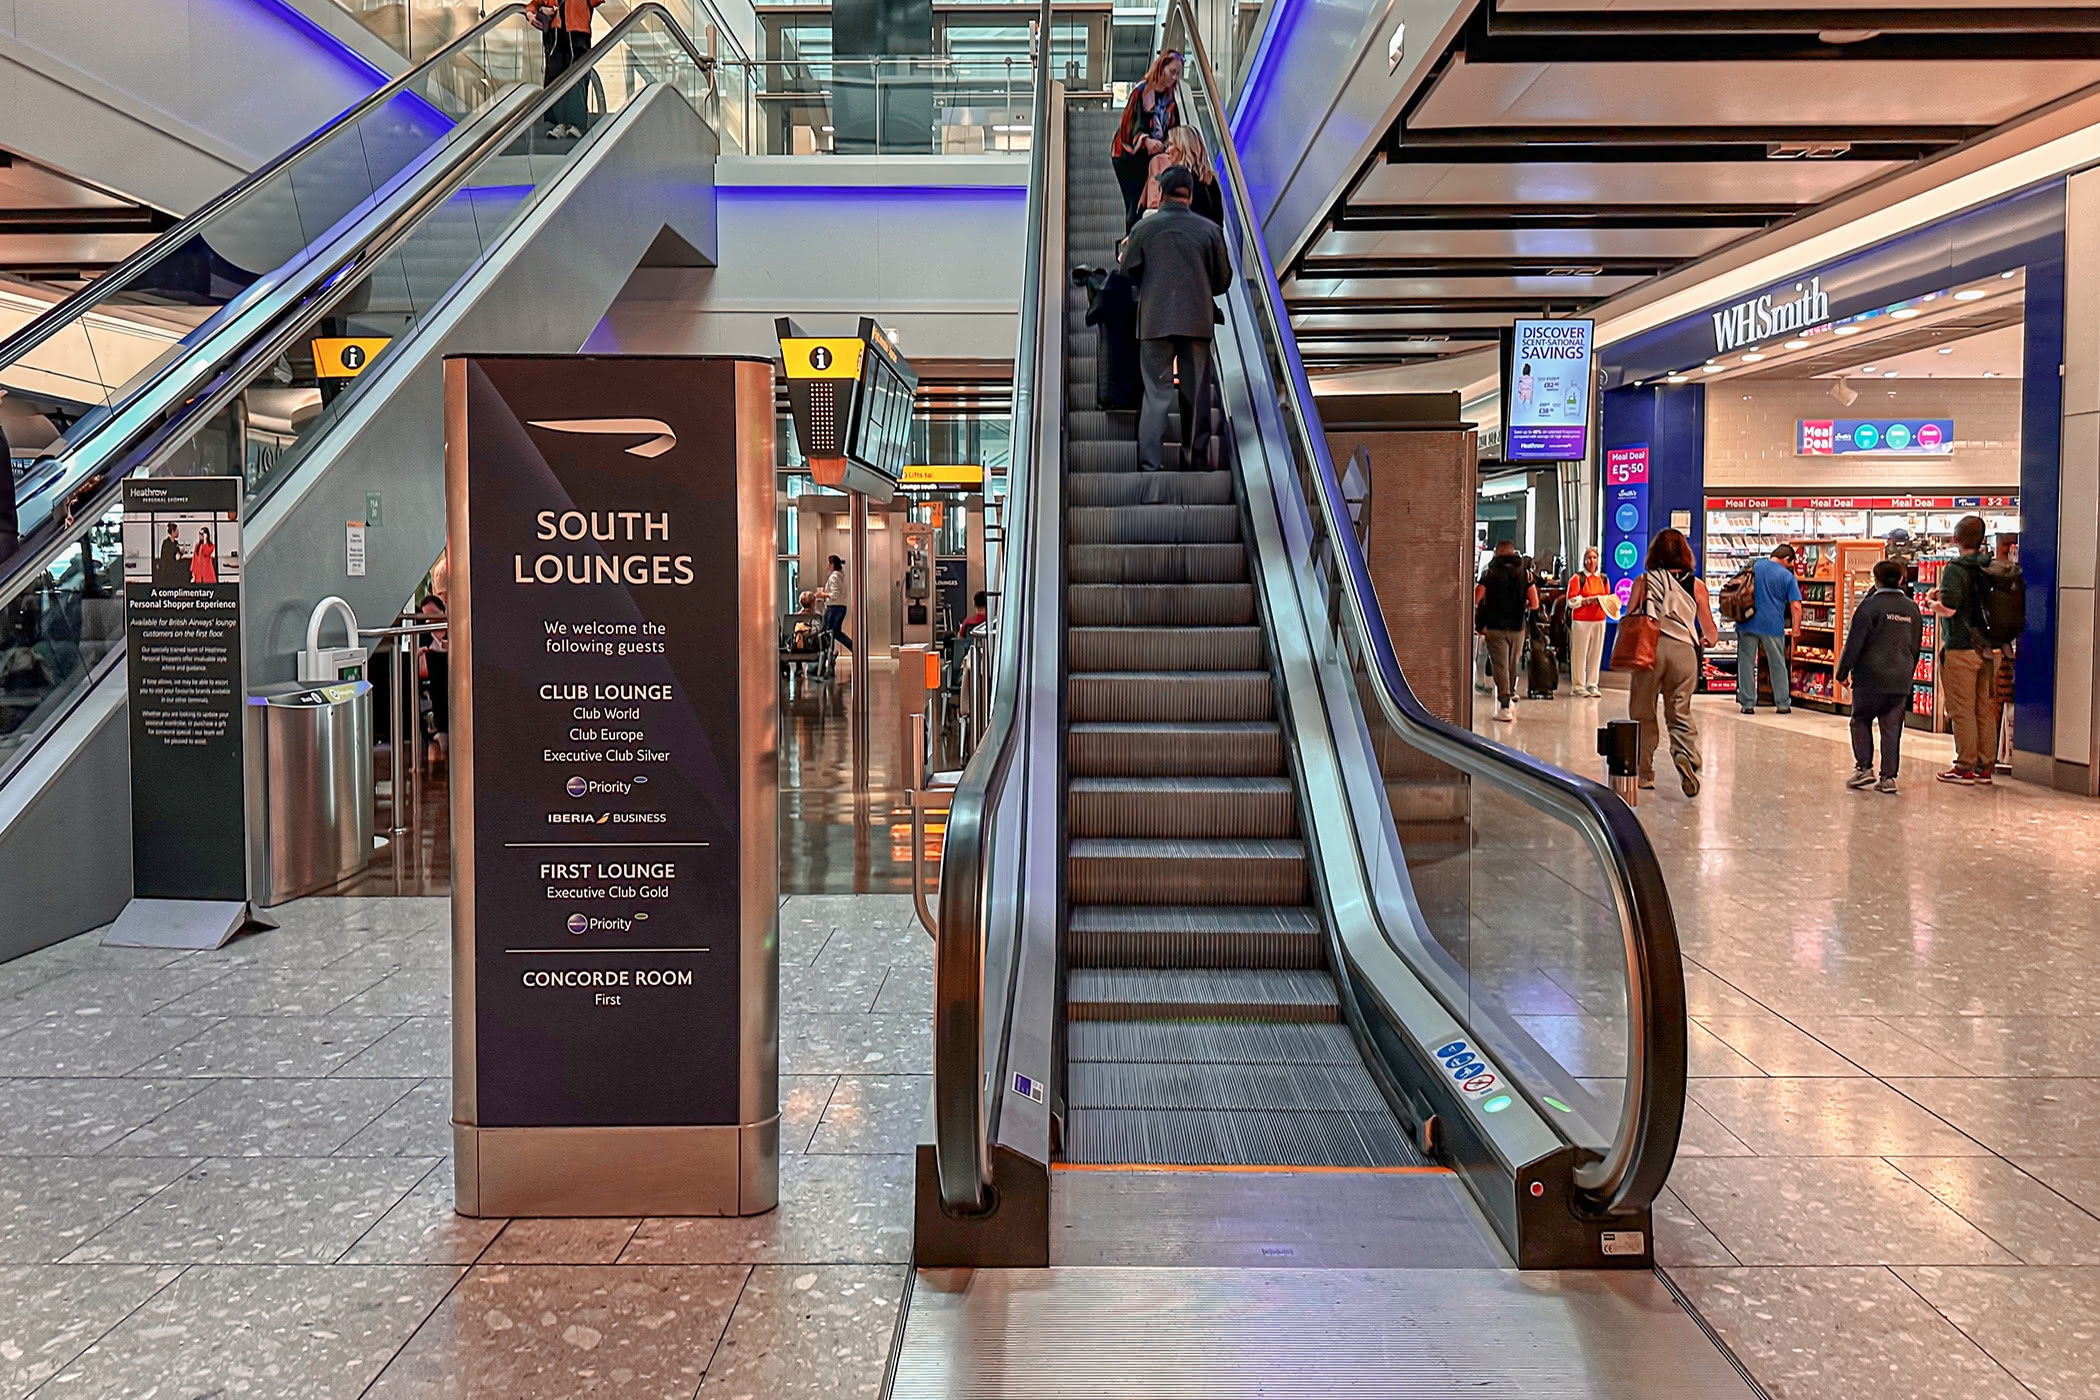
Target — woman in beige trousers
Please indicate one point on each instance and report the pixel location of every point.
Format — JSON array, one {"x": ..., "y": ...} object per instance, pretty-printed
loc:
[{"x": 1672, "y": 593}]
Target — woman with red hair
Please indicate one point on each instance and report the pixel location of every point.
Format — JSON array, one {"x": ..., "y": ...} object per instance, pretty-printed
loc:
[{"x": 1154, "y": 109}]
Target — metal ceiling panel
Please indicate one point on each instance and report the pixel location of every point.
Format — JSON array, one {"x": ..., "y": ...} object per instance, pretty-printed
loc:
[
  {"x": 1555, "y": 290},
  {"x": 26, "y": 186},
  {"x": 1331, "y": 323},
  {"x": 1722, "y": 93},
  {"x": 1707, "y": 184},
  {"x": 1573, "y": 245}
]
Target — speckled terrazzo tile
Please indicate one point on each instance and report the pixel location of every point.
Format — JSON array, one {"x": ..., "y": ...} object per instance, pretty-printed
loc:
[
  {"x": 1877, "y": 1047},
  {"x": 76, "y": 1117},
  {"x": 264, "y": 1117},
  {"x": 311, "y": 1332},
  {"x": 1703, "y": 1136},
  {"x": 2017, "y": 1118},
  {"x": 405, "y": 991},
  {"x": 1681, "y": 1239},
  {"x": 1778, "y": 1047},
  {"x": 423, "y": 1228},
  {"x": 274, "y": 991},
  {"x": 1826, "y": 1210},
  {"x": 257, "y": 1210},
  {"x": 1828, "y": 1118},
  {"x": 823, "y": 1044},
  {"x": 802, "y": 1100},
  {"x": 418, "y": 1048},
  {"x": 807, "y": 1334},
  {"x": 835, "y": 987},
  {"x": 96, "y": 1046},
  {"x": 2008, "y": 1046},
  {"x": 1842, "y": 1334},
  {"x": 833, "y": 1210},
  {"x": 2075, "y": 1178},
  {"x": 103, "y": 991},
  {"x": 267, "y": 1047},
  {"x": 418, "y": 1125},
  {"x": 313, "y": 947},
  {"x": 2019, "y": 1212},
  {"x": 49, "y": 1205},
  {"x": 519, "y": 1330},
  {"x": 50, "y": 1313},
  {"x": 874, "y": 1113},
  {"x": 2038, "y": 1324},
  {"x": 559, "y": 1241}
]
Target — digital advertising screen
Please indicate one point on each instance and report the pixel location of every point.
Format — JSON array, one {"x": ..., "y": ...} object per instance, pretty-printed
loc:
[{"x": 1547, "y": 400}]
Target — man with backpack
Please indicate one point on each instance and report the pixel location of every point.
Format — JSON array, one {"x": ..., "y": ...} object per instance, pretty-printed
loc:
[
  {"x": 1982, "y": 608},
  {"x": 1881, "y": 656},
  {"x": 1774, "y": 595}
]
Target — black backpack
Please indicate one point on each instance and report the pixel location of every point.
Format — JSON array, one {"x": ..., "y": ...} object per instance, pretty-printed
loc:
[{"x": 1999, "y": 593}]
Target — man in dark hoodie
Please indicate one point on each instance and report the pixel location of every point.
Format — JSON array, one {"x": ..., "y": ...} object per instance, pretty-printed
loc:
[{"x": 1881, "y": 656}]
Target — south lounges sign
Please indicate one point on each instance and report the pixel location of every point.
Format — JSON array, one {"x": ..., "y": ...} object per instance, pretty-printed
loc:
[{"x": 614, "y": 716}]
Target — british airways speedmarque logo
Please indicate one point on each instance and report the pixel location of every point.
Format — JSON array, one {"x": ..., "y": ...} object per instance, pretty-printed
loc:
[{"x": 661, "y": 438}]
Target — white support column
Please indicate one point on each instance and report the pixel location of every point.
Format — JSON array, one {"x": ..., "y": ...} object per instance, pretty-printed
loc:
[{"x": 2077, "y": 738}]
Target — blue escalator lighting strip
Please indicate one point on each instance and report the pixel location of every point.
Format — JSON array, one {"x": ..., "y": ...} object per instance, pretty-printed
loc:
[
  {"x": 785, "y": 192},
  {"x": 1253, "y": 85},
  {"x": 350, "y": 58}
]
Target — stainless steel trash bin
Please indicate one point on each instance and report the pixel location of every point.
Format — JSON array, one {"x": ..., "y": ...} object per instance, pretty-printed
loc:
[{"x": 309, "y": 786}]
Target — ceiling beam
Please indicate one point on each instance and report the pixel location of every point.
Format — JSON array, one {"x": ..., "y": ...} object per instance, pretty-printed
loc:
[
  {"x": 1494, "y": 265},
  {"x": 1479, "y": 217},
  {"x": 83, "y": 221},
  {"x": 1512, "y": 146}
]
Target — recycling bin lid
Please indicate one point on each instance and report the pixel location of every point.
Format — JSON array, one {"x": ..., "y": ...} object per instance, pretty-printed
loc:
[{"x": 292, "y": 695}]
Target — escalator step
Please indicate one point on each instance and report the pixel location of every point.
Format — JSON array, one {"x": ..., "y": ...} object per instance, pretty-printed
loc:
[
  {"x": 1157, "y": 563},
  {"x": 1212, "y": 1043},
  {"x": 1170, "y": 697},
  {"x": 1205, "y": 605},
  {"x": 1184, "y": 870},
  {"x": 1199, "y": 1137},
  {"x": 1167, "y": 648},
  {"x": 1286, "y": 1088},
  {"x": 1148, "y": 489},
  {"x": 1199, "y": 994},
  {"x": 1152, "y": 524},
  {"x": 1167, "y": 750},
  {"x": 1181, "y": 807}
]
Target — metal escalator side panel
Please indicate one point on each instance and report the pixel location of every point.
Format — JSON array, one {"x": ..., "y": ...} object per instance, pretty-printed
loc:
[{"x": 1350, "y": 680}]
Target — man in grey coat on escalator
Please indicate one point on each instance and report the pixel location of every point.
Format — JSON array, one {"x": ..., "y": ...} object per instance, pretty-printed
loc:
[{"x": 1177, "y": 258}]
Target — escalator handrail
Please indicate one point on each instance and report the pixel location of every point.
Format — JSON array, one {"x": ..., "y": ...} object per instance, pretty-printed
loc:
[
  {"x": 297, "y": 310},
  {"x": 77, "y": 305},
  {"x": 962, "y": 1131},
  {"x": 1632, "y": 1171}
]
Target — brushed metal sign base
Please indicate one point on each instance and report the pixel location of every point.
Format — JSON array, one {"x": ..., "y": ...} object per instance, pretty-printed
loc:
[{"x": 543, "y": 1172}]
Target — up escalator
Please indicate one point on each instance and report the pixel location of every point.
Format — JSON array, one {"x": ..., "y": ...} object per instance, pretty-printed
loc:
[
  {"x": 1203, "y": 1023},
  {"x": 1315, "y": 1044},
  {"x": 291, "y": 334}
]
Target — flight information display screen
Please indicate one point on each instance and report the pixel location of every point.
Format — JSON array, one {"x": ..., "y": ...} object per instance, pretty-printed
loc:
[{"x": 882, "y": 425}]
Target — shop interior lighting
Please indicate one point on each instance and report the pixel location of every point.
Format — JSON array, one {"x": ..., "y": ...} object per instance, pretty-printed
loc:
[
  {"x": 1713, "y": 369},
  {"x": 1846, "y": 330},
  {"x": 1890, "y": 373},
  {"x": 1946, "y": 349},
  {"x": 1970, "y": 294},
  {"x": 1752, "y": 358},
  {"x": 1797, "y": 345},
  {"x": 1869, "y": 369},
  {"x": 1904, "y": 313},
  {"x": 1677, "y": 379},
  {"x": 2008, "y": 276},
  {"x": 1990, "y": 374}
]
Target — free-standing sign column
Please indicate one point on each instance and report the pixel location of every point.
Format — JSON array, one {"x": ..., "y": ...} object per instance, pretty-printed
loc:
[
  {"x": 184, "y": 673},
  {"x": 616, "y": 983}
]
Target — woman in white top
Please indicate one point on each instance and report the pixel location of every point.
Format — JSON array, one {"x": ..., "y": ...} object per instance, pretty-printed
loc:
[
  {"x": 1674, "y": 595},
  {"x": 837, "y": 602}
]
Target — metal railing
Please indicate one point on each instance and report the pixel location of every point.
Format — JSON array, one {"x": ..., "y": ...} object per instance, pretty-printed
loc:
[
  {"x": 1632, "y": 1166},
  {"x": 927, "y": 105},
  {"x": 987, "y": 804}
]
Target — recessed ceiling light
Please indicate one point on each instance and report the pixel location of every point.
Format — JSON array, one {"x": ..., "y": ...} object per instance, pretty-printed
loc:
[
  {"x": 1970, "y": 294},
  {"x": 1846, "y": 330},
  {"x": 1713, "y": 369},
  {"x": 1869, "y": 369},
  {"x": 1677, "y": 379},
  {"x": 2007, "y": 276},
  {"x": 1797, "y": 345},
  {"x": 1752, "y": 358},
  {"x": 1990, "y": 374},
  {"x": 1890, "y": 373},
  {"x": 1946, "y": 349},
  {"x": 1903, "y": 313}
]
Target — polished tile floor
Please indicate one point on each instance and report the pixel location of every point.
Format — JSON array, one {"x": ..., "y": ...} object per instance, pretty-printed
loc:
[
  {"x": 225, "y": 1174},
  {"x": 1889, "y": 1184}
]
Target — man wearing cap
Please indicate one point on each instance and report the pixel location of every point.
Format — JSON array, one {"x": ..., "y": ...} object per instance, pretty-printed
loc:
[{"x": 1177, "y": 258}]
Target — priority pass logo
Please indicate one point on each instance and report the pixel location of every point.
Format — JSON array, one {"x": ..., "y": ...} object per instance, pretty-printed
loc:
[{"x": 1467, "y": 1070}]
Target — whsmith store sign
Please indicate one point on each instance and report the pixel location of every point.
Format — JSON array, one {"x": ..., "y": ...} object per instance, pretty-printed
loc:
[{"x": 1760, "y": 318}]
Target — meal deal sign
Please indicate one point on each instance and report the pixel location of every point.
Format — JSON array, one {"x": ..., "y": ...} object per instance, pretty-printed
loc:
[
  {"x": 1625, "y": 515},
  {"x": 1887, "y": 437},
  {"x": 1550, "y": 375}
]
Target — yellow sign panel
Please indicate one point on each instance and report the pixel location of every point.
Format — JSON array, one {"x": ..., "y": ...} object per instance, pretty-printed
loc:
[
  {"x": 822, "y": 357},
  {"x": 345, "y": 357},
  {"x": 942, "y": 476}
]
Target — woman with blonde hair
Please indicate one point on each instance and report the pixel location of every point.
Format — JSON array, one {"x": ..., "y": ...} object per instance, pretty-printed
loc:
[
  {"x": 1185, "y": 149},
  {"x": 1154, "y": 109}
]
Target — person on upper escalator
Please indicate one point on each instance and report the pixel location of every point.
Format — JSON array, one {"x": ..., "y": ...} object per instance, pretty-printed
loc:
[
  {"x": 1185, "y": 149},
  {"x": 1178, "y": 260},
  {"x": 1154, "y": 109},
  {"x": 568, "y": 27}
]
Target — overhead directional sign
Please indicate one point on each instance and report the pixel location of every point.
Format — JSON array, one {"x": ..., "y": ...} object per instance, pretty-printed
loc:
[
  {"x": 941, "y": 476},
  {"x": 821, "y": 357}
]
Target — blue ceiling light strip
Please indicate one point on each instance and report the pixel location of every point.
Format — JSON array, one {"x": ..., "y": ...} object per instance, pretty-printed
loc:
[{"x": 334, "y": 47}]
